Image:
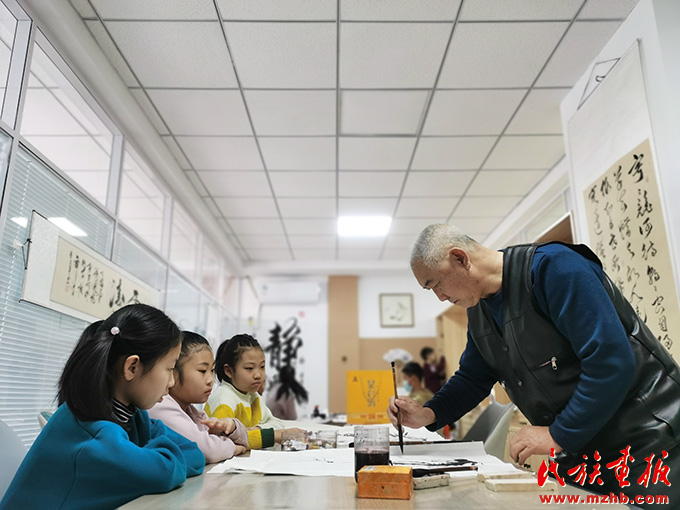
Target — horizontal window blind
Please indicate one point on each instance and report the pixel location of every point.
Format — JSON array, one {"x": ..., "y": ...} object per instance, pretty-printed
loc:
[
  {"x": 35, "y": 342},
  {"x": 132, "y": 256}
]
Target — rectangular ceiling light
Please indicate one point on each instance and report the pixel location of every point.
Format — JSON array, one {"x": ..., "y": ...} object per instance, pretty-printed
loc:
[
  {"x": 68, "y": 227},
  {"x": 363, "y": 226}
]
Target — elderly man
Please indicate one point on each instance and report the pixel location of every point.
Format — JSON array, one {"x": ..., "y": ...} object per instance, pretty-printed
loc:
[{"x": 570, "y": 351}]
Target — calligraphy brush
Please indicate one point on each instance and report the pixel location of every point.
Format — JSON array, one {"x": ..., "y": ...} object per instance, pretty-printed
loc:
[{"x": 401, "y": 432}]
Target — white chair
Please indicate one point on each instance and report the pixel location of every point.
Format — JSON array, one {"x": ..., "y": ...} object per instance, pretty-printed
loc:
[
  {"x": 495, "y": 441},
  {"x": 13, "y": 452}
]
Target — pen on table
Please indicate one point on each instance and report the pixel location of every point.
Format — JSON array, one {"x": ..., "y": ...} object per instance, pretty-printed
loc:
[{"x": 401, "y": 432}]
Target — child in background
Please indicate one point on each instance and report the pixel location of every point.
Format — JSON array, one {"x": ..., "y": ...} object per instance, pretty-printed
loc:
[
  {"x": 218, "y": 439},
  {"x": 434, "y": 370},
  {"x": 413, "y": 383},
  {"x": 239, "y": 365},
  {"x": 100, "y": 449}
]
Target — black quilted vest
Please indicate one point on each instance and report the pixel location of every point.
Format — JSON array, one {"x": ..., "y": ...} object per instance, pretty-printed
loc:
[{"x": 539, "y": 369}]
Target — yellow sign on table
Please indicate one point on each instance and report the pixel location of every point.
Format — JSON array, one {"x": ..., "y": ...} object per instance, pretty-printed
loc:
[{"x": 368, "y": 395}]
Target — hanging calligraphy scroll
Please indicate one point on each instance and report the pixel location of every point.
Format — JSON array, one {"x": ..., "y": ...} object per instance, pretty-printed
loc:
[
  {"x": 628, "y": 233},
  {"x": 65, "y": 275}
]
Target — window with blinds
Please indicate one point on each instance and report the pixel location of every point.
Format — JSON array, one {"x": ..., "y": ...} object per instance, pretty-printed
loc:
[
  {"x": 35, "y": 342},
  {"x": 132, "y": 256}
]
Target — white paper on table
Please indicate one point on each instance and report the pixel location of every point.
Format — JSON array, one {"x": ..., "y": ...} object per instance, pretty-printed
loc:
[{"x": 340, "y": 461}]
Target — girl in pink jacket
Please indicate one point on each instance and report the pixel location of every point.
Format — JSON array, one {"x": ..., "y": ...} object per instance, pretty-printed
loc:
[{"x": 218, "y": 439}]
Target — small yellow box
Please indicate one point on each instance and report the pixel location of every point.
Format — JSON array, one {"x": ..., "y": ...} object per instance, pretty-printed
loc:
[{"x": 385, "y": 482}]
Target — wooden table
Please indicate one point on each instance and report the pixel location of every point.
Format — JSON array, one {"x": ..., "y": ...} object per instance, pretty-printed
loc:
[{"x": 260, "y": 492}]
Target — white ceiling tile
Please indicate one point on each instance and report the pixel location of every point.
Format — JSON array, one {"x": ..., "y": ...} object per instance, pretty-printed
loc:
[
  {"x": 306, "y": 208},
  {"x": 366, "y": 206},
  {"x": 403, "y": 254},
  {"x": 242, "y": 226},
  {"x": 112, "y": 54},
  {"x": 247, "y": 207},
  {"x": 398, "y": 241},
  {"x": 391, "y": 55},
  {"x": 375, "y": 153},
  {"x": 269, "y": 254},
  {"x": 202, "y": 112},
  {"x": 176, "y": 151},
  {"x": 252, "y": 183},
  {"x": 607, "y": 9},
  {"x": 482, "y": 225},
  {"x": 526, "y": 152},
  {"x": 463, "y": 153},
  {"x": 278, "y": 10},
  {"x": 492, "y": 10},
  {"x": 539, "y": 114},
  {"x": 292, "y": 112},
  {"x": 176, "y": 53},
  {"x": 225, "y": 226},
  {"x": 197, "y": 183},
  {"x": 303, "y": 184},
  {"x": 413, "y": 226},
  {"x": 283, "y": 55},
  {"x": 399, "y": 10},
  {"x": 491, "y": 55},
  {"x": 504, "y": 182},
  {"x": 221, "y": 153},
  {"x": 583, "y": 42},
  {"x": 250, "y": 241},
  {"x": 483, "y": 207},
  {"x": 437, "y": 184},
  {"x": 471, "y": 112},
  {"x": 84, "y": 8},
  {"x": 298, "y": 153},
  {"x": 310, "y": 226},
  {"x": 381, "y": 112},
  {"x": 149, "y": 111},
  {"x": 314, "y": 254},
  {"x": 425, "y": 207},
  {"x": 312, "y": 242},
  {"x": 155, "y": 9},
  {"x": 370, "y": 184},
  {"x": 358, "y": 253},
  {"x": 360, "y": 242}
]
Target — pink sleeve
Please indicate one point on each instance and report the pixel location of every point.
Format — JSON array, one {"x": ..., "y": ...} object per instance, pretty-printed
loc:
[
  {"x": 240, "y": 434},
  {"x": 215, "y": 448}
]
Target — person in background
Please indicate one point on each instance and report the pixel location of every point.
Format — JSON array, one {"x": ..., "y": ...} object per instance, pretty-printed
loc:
[
  {"x": 434, "y": 370},
  {"x": 218, "y": 439},
  {"x": 282, "y": 395},
  {"x": 413, "y": 382},
  {"x": 100, "y": 449},
  {"x": 240, "y": 368},
  {"x": 600, "y": 391}
]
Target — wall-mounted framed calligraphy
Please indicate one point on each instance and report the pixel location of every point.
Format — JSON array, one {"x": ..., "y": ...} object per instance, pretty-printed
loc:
[{"x": 65, "y": 275}]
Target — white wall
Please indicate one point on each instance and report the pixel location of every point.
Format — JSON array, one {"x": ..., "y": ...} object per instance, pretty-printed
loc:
[
  {"x": 312, "y": 367},
  {"x": 426, "y": 306}
]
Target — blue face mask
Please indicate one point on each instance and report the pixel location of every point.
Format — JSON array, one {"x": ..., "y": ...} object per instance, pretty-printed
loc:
[{"x": 408, "y": 387}]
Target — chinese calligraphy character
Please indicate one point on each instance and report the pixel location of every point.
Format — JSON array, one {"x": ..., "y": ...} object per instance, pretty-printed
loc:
[
  {"x": 543, "y": 471},
  {"x": 621, "y": 468}
]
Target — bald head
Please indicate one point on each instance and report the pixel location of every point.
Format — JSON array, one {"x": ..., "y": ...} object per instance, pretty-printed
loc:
[{"x": 433, "y": 244}]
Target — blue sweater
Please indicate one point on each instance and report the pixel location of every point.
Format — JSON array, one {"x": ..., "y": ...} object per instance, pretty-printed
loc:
[
  {"x": 569, "y": 290},
  {"x": 90, "y": 465}
]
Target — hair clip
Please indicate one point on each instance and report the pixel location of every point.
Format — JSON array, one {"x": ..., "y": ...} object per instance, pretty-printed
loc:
[{"x": 115, "y": 330}]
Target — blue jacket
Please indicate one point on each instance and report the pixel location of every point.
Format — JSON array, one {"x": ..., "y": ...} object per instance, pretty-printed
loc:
[{"x": 76, "y": 464}]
